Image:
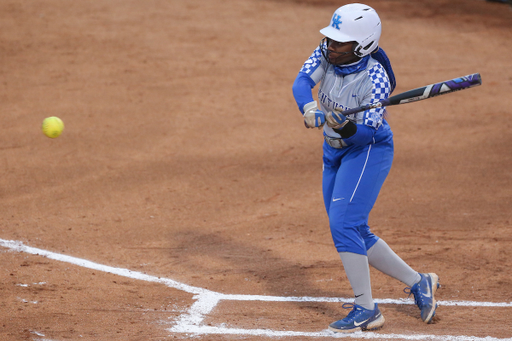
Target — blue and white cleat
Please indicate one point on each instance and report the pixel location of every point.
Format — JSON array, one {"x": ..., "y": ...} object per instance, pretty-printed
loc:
[
  {"x": 358, "y": 319},
  {"x": 424, "y": 292}
]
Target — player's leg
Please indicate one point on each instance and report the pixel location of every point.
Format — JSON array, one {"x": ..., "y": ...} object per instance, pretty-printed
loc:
[
  {"x": 330, "y": 168},
  {"x": 358, "y": 181},
  {"x": 384, "y": 259},
  {"x": 356, "y": 187},
  {"x": 422, "y": 286},
  {"x": 356, "y": 265},
  {"x": 331, "y": 164}
]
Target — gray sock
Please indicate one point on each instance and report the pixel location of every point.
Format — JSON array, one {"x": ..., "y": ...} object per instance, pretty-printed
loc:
[
  {"x": 358, "y": 273},
  {"x": 382, "y": 258}
]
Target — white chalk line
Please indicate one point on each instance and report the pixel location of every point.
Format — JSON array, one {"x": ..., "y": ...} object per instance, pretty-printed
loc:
[
  {"x": 207, "y": 300},
  {"x": 208, "y": 330}
]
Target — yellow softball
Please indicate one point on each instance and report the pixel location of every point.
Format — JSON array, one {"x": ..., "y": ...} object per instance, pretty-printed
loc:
[{"x": 52, "y": 127}]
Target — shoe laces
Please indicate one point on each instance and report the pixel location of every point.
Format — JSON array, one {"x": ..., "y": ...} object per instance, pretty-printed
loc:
[
  {"x": 418, "y": 299},
  {"x": 352, "y": 306}
]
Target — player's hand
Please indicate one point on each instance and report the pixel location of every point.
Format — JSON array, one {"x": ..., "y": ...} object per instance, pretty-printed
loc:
[
  {"x": 335, "y": 119},
  {"x": 313, "y": 117}
]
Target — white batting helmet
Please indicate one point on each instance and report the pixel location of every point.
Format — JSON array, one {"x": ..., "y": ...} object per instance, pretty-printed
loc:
[{"x": 355, "y": 22}]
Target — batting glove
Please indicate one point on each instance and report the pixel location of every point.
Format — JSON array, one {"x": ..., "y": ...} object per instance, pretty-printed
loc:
[
  {"x": 335, "y": 119},
  {"x": 313, "y": 117}
]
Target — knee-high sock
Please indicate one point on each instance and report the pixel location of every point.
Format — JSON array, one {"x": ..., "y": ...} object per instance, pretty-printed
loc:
[
  {"x": 358, "y": 274},
  {"x": 384, "y": 259}
]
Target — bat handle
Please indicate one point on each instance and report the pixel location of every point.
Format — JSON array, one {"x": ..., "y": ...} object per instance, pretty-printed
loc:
[{"x": 381, "y": 103}]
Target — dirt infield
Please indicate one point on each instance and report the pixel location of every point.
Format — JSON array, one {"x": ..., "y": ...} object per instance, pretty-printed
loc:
[{"x": 184, "y": 157}]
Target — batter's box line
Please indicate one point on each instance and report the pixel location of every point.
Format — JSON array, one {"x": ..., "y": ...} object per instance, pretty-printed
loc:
[
  {"x": 207, "y": 300},
  {"x": 190, "y": 323}
]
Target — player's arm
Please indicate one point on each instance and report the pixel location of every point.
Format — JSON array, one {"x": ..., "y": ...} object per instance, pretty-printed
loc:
[
  {"x": 309, "y": 75},
  {"x": 313, "y": 117},
  {"x": 302, "y": 90}
]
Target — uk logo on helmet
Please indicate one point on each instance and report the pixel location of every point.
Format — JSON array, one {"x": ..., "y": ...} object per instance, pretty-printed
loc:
[{"x": 336, "y": 21}]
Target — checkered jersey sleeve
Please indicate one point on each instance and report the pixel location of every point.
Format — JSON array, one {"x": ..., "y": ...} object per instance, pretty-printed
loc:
[
  {"x": 381, "y": 89},
  {"x": 313, "y": 67}
]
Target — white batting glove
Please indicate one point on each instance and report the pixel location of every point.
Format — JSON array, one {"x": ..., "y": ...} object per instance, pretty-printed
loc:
[
  {"x": 335, "y": 119},
  {"x": 313, "y": 117}
]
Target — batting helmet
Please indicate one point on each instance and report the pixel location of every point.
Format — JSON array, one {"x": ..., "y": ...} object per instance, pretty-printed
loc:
[{"x": 355, "y": 22}]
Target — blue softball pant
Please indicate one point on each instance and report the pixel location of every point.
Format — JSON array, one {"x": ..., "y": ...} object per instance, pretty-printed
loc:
[{"x": 351, "y": 181}]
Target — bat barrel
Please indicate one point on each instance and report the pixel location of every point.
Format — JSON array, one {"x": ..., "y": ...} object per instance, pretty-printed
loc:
[
  {"x": 422, "y": 93},
  {"x": 455, "y": 84}
]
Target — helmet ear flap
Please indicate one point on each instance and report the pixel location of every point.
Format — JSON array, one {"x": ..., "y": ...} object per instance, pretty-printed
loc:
[{"x": 357, "y": 50}]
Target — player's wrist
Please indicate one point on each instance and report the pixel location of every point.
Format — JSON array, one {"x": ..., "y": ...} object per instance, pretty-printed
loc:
[
  {"x": 348, "y": 129},
  {"x": 308, "y": 107}
]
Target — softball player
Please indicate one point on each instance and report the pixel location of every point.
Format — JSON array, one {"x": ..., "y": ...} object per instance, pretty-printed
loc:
[{"x": 351, "y": 70}]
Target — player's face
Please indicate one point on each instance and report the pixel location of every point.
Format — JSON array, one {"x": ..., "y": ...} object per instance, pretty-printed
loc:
[{"x": 340, "y": 53}]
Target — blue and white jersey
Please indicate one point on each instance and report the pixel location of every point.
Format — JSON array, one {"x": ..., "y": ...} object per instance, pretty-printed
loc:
[{"x": 337, "y": 92}]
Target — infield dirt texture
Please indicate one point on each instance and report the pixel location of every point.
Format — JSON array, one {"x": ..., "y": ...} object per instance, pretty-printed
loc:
[{"x": 185, "y": 157}]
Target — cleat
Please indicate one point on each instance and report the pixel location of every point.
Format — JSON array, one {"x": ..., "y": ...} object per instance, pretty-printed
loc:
[
  {"x": 424, "y": 292},
  {"x": 358, "y": 319}
]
